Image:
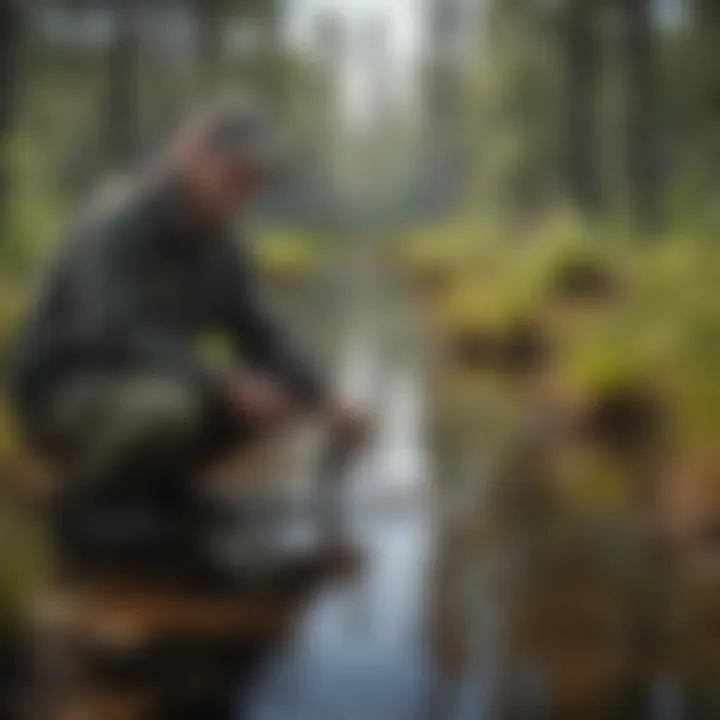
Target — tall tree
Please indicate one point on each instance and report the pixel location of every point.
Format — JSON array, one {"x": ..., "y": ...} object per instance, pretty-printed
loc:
[
  {"x": 444, "y": 92},
  {"x": 517, "y": 172},
  {"x": 122, "y": 101},
  {"x": 705, "y": 78},
  {"x": 11, "y": 23},
  {"x": 642, "y": 140},
  {"x": 211, "y": 17},
  {"x": 580, "y": 34}
]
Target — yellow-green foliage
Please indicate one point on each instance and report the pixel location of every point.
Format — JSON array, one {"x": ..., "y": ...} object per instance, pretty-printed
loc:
[
  {"x": 654, "y": 327},
  {"x": 33, "y": 216},
  {"x": 464, "y": 242},
  {"x": 12, "y": 306},
  {"x": 287, "y": 255},
  {"x": 487, "y": 306},
  {"x": 22, "y": 568}
]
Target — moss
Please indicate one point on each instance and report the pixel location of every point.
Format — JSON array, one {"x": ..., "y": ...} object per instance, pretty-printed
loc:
[
  {"x": 475, "y": 347},
  {"x": 525, "y": 348},
  {"x": 583, "y": 280},
  {"x": 628, "y": 420}
]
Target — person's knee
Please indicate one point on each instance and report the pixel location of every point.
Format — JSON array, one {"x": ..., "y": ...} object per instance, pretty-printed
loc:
[
  {"x": 159, "y": 411},
  {"x": 167, "y": 404},
  {"x": 152, "y": 417}
]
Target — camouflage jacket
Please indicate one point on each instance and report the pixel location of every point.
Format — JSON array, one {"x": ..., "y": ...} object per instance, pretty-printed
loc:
[{"x": 133, "y": 287}]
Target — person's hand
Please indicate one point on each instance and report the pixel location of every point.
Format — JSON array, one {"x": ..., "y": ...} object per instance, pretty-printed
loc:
[
  {"x": 258, "y": 400},
  {"x": 350, "y": 425}
]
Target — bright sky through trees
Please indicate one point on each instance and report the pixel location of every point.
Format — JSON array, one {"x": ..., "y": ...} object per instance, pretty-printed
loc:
[{"x": 397, "y": 27}]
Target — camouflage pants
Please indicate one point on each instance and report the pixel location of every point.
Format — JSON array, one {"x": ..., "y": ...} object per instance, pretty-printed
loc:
[
  {"x": 130, "y": 447},
  {"x": 140, "y": 422},
  {"x": 101, "y": 422}
]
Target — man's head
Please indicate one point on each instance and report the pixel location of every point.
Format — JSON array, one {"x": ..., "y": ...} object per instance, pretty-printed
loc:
[{"x": 225, "y": 155}]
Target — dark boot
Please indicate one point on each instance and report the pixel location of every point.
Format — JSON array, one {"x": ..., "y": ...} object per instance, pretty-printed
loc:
[{"x": 130, "y": 528}]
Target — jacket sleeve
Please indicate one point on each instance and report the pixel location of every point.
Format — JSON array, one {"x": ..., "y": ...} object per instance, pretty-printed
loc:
[{"x": 259, "y": 338}]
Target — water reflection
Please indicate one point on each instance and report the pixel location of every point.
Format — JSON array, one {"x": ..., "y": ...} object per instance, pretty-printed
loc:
[{"x": 359, "y": 651}]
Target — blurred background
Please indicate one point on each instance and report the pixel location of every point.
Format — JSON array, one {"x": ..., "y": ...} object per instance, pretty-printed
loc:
[{"x": 499, "y": 230}]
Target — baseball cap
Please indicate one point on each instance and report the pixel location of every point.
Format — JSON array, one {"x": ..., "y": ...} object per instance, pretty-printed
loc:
[{"x": 241, "y": 130}]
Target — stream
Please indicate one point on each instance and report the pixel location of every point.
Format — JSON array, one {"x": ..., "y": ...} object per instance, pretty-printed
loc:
[
  {"x": 357, "y": 653},
  {"x": 360, "y": 650}
]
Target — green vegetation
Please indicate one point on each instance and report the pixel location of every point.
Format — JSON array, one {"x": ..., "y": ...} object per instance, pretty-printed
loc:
[{"x": 625, "y": 334}]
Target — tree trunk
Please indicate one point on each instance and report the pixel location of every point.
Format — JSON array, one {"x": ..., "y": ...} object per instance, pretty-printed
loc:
[
  {"x": 581, "y": 66},
  {"x": 123, "y": 92},
  {"x": 644, "y": 165},
  {"x": 10, "y": 48},
  {"x": 210, "y": 14},
  {"x": 444, "y": 109},
  {"x": 706, "y": 90}
]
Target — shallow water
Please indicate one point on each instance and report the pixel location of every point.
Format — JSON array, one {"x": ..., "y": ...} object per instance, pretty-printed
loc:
[{"x": 358, "y": 651}]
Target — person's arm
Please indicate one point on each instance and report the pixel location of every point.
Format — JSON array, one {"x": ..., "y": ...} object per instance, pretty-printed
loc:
[
  {"x": 116, "y": 317},
  {"x": 260, "y": 339}
]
